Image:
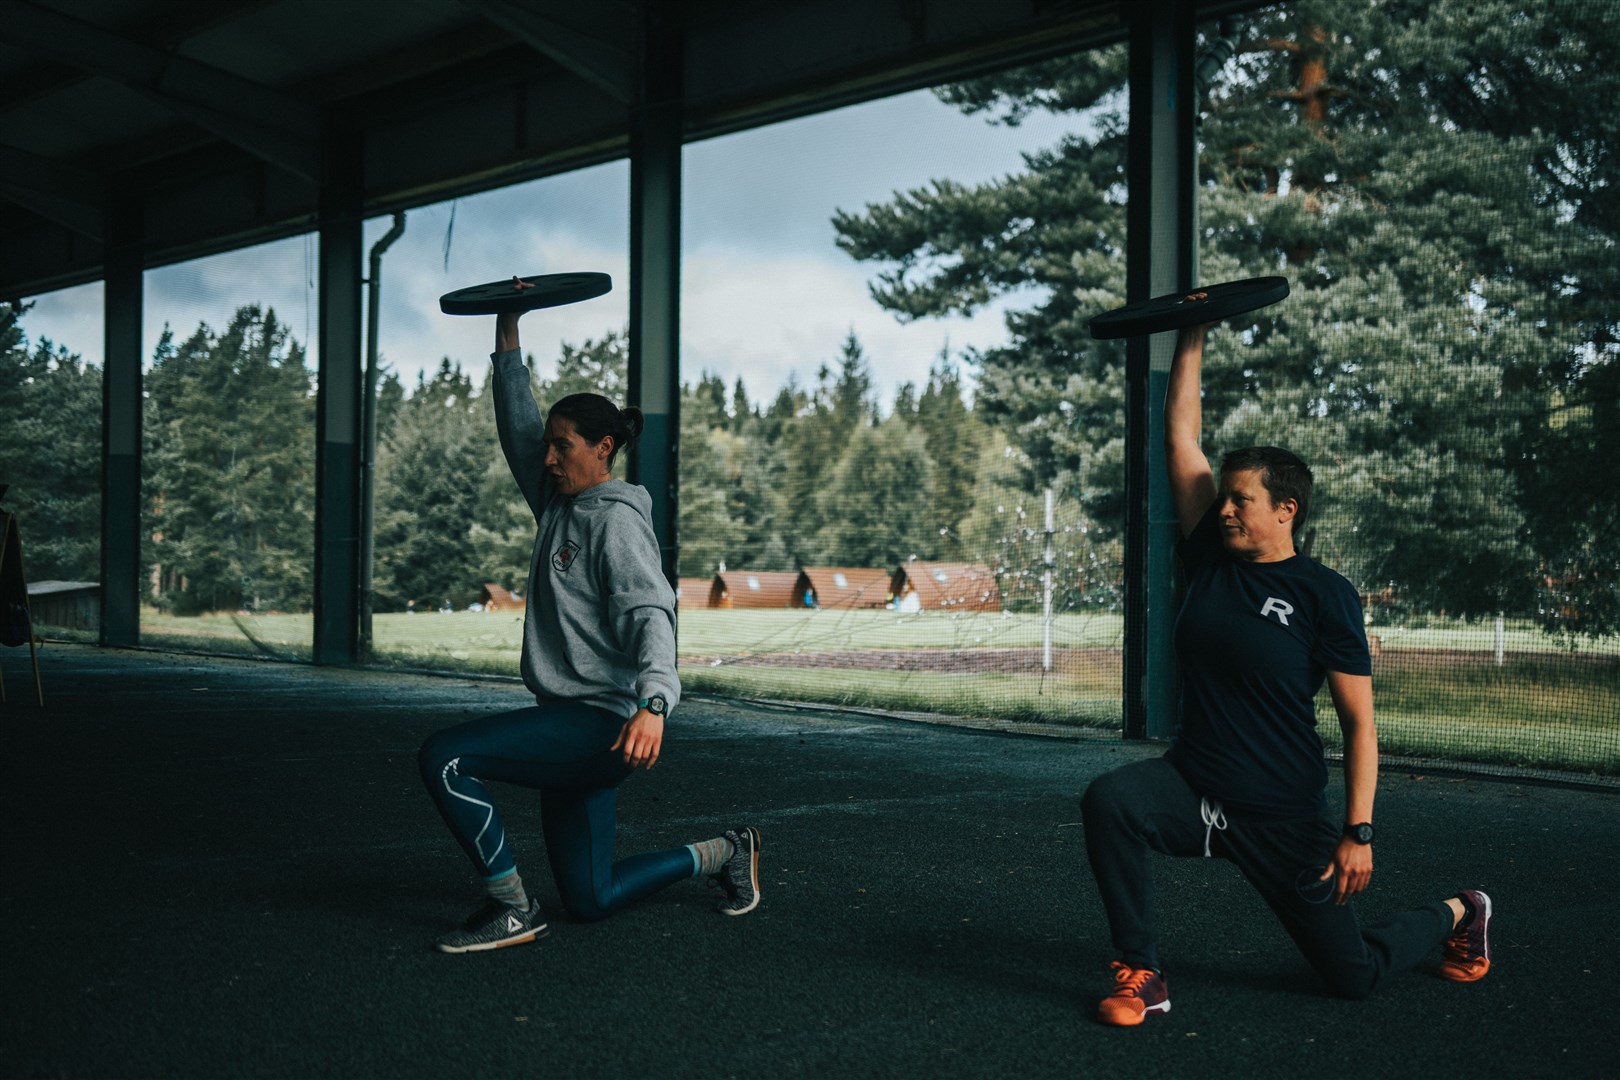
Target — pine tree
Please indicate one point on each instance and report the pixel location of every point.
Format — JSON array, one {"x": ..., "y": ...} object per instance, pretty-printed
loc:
[
  {"x": 822, "y": 434},
  {"x": 230, "y": 468},
  {"x": 871, "y": 507},
  {"x": 595, "y": 367},
  {"x": 742, "y": 412},
  {"x": 430, "y": 476},
  {"x": 501, "y": 533},
  {"x": 50, "y": 452},
  {"x": 953, "y": 438},
  {"x": 707, "y": 534}
]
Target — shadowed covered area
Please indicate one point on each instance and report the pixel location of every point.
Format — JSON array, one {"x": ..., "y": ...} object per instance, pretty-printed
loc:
[{"x": 225, "y": 867}]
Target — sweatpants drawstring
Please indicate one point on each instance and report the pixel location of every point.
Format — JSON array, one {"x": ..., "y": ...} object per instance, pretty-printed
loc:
[{"x": 1214, "y": 818}]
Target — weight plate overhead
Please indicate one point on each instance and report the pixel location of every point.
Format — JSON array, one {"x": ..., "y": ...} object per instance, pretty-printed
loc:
[
  {"x": 545, "y": 290},
  {"x": 1174, "y": 311}
]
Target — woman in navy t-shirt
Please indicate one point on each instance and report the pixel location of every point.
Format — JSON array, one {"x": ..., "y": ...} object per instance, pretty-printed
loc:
[{"x": 1261, "y": 628}]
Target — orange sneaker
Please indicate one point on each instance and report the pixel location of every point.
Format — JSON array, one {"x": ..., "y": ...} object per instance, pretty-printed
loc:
[
  {"x": 1137, "y": 992},
  {"x": 1468, "y": 951}
]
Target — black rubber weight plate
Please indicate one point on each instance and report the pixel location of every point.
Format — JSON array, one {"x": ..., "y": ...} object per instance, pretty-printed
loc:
[
  {"x": 547, "y": 290},
  {"x": 1174, "y": 311}
]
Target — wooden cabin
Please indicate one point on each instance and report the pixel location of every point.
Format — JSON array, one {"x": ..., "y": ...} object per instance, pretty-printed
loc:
[
  {"x": 499, "y": 598},
  {"x": 756, "y": 589},
  {"x": 939, "y": 586},
  {"x": 72, "y": 605},
  {"x": 694, "y": 592},
  {"x": 843, "y": 587}
]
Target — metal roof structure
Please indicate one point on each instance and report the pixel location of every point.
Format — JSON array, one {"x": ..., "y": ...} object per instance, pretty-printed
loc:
[
  {"x": 140, "y": 133},
  {"x": 218, "y": 117}
]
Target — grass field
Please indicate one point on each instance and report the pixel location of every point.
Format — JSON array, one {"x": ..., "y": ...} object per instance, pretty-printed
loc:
[{"x": 1440, "y": 692}]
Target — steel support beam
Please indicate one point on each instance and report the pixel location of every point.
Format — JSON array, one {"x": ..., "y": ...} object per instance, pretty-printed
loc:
[
  {"x": 1161, "y": 257},
  {"x": 121, "y": 425},
  {"x": 337, "y": 406},
  {"x": 655, "y": 271},
  {"x": 556, "y": 30},
  {"x": 72, "y": 197}
]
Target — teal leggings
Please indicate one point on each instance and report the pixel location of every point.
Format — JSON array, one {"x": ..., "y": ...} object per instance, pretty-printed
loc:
[{"x": 559, "y": 748}]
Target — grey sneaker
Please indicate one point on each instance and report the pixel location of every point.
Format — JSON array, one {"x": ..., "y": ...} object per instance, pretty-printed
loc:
[
  {"x": 740, "y": 876},
  {"x": 495, "y": 926}
]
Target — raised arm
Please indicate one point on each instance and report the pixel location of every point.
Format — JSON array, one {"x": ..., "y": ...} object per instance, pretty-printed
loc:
[
  {"x": 1192, "y": 482},
  {"x": 517, "y": 416}
]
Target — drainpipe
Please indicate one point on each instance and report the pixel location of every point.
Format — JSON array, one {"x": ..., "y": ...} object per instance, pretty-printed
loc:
[
  {"x": 1221, "y": 48},
  {"x": 368, "y": 438}
]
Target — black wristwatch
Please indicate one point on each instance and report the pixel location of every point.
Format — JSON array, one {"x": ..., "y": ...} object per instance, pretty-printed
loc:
[
  {"x": 658, "y": 706},
  {"x": 1361, "y": 834}
]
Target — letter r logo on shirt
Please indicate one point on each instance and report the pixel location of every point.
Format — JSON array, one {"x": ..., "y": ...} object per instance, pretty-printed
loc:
[{"x": 1280, "y": 608}]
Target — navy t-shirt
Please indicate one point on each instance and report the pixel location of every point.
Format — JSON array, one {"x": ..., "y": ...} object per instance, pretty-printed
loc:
[{"x": 1255, "y": 642}]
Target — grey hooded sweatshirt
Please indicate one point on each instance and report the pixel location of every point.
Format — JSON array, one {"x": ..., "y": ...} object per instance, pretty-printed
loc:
[{"x": 600, "y": 619}]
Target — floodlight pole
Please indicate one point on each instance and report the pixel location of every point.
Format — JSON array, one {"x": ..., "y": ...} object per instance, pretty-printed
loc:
[{"x": 1046, "y": 581}]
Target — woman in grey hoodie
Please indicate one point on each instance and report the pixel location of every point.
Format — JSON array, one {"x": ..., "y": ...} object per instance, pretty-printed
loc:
[{"x": 599, "y": 656}]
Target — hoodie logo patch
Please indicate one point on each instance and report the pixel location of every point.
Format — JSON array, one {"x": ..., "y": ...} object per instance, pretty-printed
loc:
[{"x": 564, "y": 556}]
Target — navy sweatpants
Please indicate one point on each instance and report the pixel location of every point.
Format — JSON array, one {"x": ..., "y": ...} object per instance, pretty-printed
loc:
[
  {"x": 561, "y": 749},
  {"x": 1148, "y": 806}
]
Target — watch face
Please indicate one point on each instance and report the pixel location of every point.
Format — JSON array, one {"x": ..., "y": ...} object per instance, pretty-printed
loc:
[
  {"x": 657, "y": 704},
  {"x": 1362, "y": 834}
]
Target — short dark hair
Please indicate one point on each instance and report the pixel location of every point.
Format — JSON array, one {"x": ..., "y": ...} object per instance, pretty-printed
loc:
[
  {"x": 1282, "y": 472},
  {"x": 596, "y": 418}
]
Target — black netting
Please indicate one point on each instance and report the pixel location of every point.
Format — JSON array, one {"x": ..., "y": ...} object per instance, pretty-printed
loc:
[
  {"x": 228, "y": 453},
  {"x": 1439, "y": 191}
]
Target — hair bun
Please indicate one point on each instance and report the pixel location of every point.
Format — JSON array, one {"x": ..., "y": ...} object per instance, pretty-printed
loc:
[{"x": 633, "y": 421}]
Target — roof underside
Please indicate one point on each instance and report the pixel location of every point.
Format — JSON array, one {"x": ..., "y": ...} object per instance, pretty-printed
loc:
[{"x": 213, "y": 116}]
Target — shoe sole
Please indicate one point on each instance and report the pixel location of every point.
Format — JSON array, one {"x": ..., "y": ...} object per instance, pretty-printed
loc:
[
  {"x": 1107, "y": 1020},
  {"x": 487, "y": 946},
  {"x": 753, "y": 874}
]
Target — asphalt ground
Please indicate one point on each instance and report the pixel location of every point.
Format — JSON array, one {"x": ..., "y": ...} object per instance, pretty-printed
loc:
[{"x": 228, "y": 868}]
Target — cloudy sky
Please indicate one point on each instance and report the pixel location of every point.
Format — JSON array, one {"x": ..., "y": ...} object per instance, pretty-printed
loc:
[{"x": 766, "y": 294}]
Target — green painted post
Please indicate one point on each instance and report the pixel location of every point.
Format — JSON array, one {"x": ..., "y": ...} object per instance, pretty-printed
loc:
[
  {"x": 1161, "y": 257},
  {"x": 337, "y": 407},
  {"x": 121, "y": 424},
  {"x": 655, "y": 273}
]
